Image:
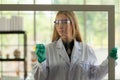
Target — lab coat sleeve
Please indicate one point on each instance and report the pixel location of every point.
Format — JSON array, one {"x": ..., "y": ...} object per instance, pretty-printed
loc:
[
  {"x": 40, "y": 71},
  {"x": 98, "y": 72}
]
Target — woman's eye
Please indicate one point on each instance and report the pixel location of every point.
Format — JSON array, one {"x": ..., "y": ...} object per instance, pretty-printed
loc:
[{"x": 62, "y": 21}]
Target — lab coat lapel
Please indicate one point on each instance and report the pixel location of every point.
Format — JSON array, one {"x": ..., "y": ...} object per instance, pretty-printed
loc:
[
  {"x": 61, "y": 51},
  {"x": 76, "y": 52}
]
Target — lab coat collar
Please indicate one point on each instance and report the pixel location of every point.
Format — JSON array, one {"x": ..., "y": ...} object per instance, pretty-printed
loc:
[
  {"x": 75, "y": 52},
  {"x": 61, "y": 51}
]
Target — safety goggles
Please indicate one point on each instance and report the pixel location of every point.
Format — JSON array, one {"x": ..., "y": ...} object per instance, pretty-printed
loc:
[{"x": 63, "y": 22}]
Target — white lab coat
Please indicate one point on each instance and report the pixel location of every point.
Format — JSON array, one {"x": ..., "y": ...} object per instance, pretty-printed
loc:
[{"x": 58, "y": 66}]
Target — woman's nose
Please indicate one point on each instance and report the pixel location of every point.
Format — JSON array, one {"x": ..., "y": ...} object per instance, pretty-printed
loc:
[{"x": 61, "y": 25}]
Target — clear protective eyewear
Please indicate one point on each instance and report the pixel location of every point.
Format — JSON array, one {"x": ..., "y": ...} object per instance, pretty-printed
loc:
[{"x": 63, "y": 22}]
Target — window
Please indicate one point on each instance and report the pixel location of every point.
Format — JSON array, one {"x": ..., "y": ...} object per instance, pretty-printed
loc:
[{"x": 33, "y": 28}]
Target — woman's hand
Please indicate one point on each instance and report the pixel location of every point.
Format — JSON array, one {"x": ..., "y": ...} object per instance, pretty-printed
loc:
[
  {"x": 113, "y": 53},
  {"x": 40, "y": 52}
]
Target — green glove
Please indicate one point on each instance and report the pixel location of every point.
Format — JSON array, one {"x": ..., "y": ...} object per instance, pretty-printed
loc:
[
  {"x": 40, "y": 52},
  {"x": 113, "y": 53}
]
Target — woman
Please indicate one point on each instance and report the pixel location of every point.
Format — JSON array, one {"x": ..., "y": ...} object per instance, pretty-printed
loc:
[{"x": 64, "y": 58}]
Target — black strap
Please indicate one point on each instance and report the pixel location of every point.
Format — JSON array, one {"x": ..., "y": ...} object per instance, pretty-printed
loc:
[{"x": 68, "y": 47}]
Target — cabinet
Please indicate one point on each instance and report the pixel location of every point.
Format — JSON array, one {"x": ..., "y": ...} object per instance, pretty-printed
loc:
[{"x": 9, "y": 42}]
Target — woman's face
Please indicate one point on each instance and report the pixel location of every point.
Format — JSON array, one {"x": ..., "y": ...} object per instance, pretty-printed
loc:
[{"x": 64, "y": 27}]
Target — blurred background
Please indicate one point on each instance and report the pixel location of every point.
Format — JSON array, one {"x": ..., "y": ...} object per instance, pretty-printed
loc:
[{"x": 38, "y": 26}]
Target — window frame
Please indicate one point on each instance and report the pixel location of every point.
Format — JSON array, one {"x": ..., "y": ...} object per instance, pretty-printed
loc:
[{"x": 108, "y": 8}]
